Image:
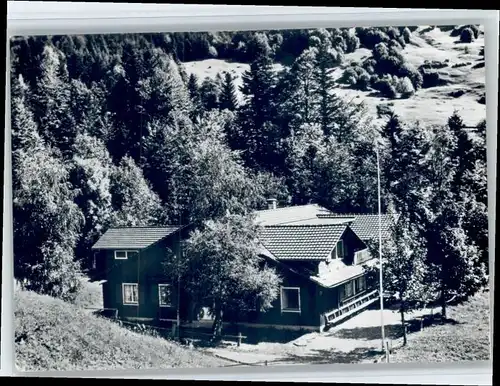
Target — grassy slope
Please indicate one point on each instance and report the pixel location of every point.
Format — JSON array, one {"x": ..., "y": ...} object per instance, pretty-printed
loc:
[
  {"x": 431, "y": 106},
  {"x": 468, "y": 340},
  {"x": 62, "y": 336}
]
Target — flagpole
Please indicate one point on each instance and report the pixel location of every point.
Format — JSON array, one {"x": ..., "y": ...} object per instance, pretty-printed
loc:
[{"x": 381, "y": 288}]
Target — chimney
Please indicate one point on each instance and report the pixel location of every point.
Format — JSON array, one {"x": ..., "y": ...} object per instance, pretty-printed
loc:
[{"x": 271, "y": 203}]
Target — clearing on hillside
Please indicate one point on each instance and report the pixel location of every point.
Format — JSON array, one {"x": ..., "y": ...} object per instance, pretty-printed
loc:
[
  {"x": 54, "y": 335},
  {"x": 465, "y": 78}
]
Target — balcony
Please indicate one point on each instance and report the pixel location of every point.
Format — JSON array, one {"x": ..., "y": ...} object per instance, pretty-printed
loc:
[{"x": 362, "y": 256}]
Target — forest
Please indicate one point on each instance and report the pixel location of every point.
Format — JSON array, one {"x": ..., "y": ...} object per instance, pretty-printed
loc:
[{"x": 109, "y": 130}]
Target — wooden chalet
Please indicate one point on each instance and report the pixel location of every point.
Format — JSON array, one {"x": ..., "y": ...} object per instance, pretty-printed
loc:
[{"x": 320, "y": 256}]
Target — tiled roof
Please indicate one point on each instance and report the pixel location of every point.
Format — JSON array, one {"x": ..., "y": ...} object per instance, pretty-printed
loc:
[
  {"x": 301, "y": 242},
  {"x": 133, "y": 237},
  {"x": 364, "y": 225},
  {"x": 288, "y": 214}
]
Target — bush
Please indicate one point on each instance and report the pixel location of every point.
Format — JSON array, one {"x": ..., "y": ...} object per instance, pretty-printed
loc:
[
  {"x": 431, "y": 79},
  {"x": 457, "y": 31},
  {"x": 370, "y": 37},
  {"x": 385, "y": 87},
  {"x": 406, "y": 34},
  {"x": 351, "y": 41},
  {"x": 482, "y": 100},
  {"x": 467, "y": 35},
  {"x": 357, "y": 77},
  {"x": 404, "y": 86},
  {"x": 212, "y": 52}
]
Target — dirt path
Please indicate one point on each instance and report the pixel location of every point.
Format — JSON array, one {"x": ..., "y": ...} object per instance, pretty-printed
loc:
[{"x": 354, "y": 341}]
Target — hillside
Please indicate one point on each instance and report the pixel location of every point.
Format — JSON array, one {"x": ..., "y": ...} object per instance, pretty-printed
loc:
[
  {"x": 466, "y": 339},
  {"x": 429, "y": 105},
  {"x": 54, "y": 335}
]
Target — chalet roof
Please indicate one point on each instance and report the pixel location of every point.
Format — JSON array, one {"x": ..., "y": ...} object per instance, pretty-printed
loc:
[
  {"x": 364, "y": 225},
  {"x": 133, "y": 237},
  {"x": 288, "y": 214},
  {"x": 301, "y": 242}
]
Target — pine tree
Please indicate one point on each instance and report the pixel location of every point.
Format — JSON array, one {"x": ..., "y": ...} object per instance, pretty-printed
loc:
[
  {"x": 134, "y": 202},
  {"x": 453, "y": 259},
  {"x": 194, "y": 92},
  {"x": 261, "y": 135},
  {"x": 163, "y": 90},
  {"x": 210, "y": 93},
  {"x": 52, "y": 102},
  {"x": 228, "y": 98},
  {"x": 405, "y": 272},
  {"x": 91, "y": 177}
]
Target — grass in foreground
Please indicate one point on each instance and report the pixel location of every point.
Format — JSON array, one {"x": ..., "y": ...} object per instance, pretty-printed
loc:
[
  {"x": 468, "y": 340},
  {"x": 54, "y": 335}
]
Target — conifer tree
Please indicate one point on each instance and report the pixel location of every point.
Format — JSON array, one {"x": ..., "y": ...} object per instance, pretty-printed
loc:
[
  {"x": 91, "y": 176},
  {"x": 228, "y": 98},
  {"x": 261, "y": 135}
]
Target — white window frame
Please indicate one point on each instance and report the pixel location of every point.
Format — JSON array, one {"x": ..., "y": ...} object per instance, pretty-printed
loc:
[
  {"x": 123, "y": 294},
  {"x": 299, "y": 310},
  {"x": 159, "y": 294},
  {"x": 126, "y": 254}
]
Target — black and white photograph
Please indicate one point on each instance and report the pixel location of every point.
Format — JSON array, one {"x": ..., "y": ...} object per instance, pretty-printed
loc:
[{"x": 250, "y": 198}]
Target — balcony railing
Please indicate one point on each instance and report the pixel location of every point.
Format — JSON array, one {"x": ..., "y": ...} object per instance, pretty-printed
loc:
[
  {"x": 350, "y": 308},
  {"x": 361, "y": 256}
]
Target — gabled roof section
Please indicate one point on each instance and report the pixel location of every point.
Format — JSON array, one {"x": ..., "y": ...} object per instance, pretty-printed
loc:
[
  {"x": 288, "y": 214},
  {"x": 133, "y": 237},
  {"x": 366, "y": 226},
  {"x": 301, "y": 242}
]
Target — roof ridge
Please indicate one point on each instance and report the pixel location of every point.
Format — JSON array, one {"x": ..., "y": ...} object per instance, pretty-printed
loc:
[
  {"x": 288, "y": 207},
  {"x": 146, "y": 226},
  {"x": 303, "y": 225}
]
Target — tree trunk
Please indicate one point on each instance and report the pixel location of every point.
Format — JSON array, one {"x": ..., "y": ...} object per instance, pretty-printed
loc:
[
  {"x": 217, "y": 326},
  {"x": 443, "y": 305},
  {"x": 403, "y": 324}
]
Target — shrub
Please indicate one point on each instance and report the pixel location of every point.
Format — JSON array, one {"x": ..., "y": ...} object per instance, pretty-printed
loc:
[
  {"x": 370, "y": 37},
  {"x": 212, "y": 52},
  {"x": 369, "y": 65},
  {"x": 351, "y": 41},
  {"x": 363, "y": 81},
  {"x": 406, "y": 34},
  {"x": 357, "y": 77},
  {"x": 456, "y": 93},
  {"x": 404, "y": 86},
  {"x": 431, "y": 79},
  {"x": 457, "y": 31},
  {"x": 395, "y": 44},
  {"x": 349, "y": 76},
  {"x": 467, "y": 35},
  {"x": 385, "y": 87},
  {"x": 482, "y": 100}
]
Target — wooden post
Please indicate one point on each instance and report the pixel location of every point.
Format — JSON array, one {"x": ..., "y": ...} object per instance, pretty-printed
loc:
[
  {"x": 239, "y": 339},
  {"x": 173, "y": 330},
  {"x": 387, "y": 351}
]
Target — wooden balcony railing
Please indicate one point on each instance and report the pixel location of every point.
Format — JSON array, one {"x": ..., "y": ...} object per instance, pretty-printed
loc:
[{"x": 351, "y": 307}]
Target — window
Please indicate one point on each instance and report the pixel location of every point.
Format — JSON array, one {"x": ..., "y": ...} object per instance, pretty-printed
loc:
[
  {"x": 164, "y": 295},
  {"x": 290, "y": 299},
  {"x": 124, "y": 255},
  {"x": 130, "y": 293},
  {"x": 349, "y": 289},
  {"x": 340, "y": 249},
  {"x": 360, "y": 284}
]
